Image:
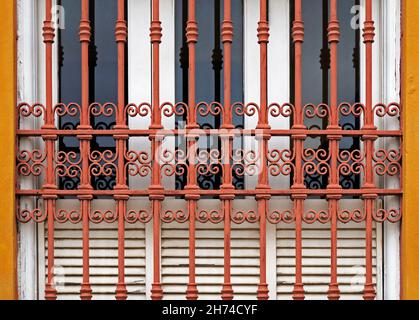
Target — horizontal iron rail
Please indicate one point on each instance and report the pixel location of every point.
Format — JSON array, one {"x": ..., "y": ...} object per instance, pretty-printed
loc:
[
  {"x": 204, "y": 132},
  {"x": 249, "y": 192}
]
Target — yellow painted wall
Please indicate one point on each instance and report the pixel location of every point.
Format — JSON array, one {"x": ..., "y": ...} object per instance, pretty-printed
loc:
[
  {"x": 8, "y": 261},
  {"x": 410, "y": 98}
]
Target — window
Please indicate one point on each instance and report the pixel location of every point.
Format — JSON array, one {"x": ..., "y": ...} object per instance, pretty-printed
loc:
[
  {"x": 316, "y": 78},
  {"x": 206, "y": 161},
  {"x": 209, "y": 75},
  {"x": 103, "y": 81}
]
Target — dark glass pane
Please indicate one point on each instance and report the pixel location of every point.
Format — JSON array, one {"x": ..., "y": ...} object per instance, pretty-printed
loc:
[
  {"x": 209, "y": 71},
  {"x": 103, "y": 81},
  {"x": 314, "y": 57},
  {"x": 104, "y": 71},
  {"x": 349, "y": 77},
  {"x": 70, "y": 80},
  {"x": 315, "y": 64},
  {"x": 316, "y": 75}
]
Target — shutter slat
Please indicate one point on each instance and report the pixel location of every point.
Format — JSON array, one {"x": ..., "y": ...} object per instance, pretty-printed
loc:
[
  {"x": 210, "y": 260},
  {"x": 316, "y": 260},
  {"x": 103, "y": 260}
]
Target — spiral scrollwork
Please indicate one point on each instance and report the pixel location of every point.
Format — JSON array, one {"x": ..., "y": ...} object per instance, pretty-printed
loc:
[
  {"x": 138, "y": 163},
  {"x": 133, "y": 110},
  {"x": 209, "y": 162},
  {"x": 321, "y": 111},
  {"x": 249, "y": 110},
  {"x": 348, "y": 109},
  {"x": 169, "y": 216},
  {"x": 30, "y": 162},
  {"x": 392, "y": 110},
  {"x": 245, "y": 162},
  {"x": 72, "y": 109},
  {"x": 391, "y": 215},
  {"x": 68, "y": 164},
  {"x": 351, "y": 162},
  {"x": 312, "y": 216},
  {"x": 173, "y": 162},
  {"x": 242, "y": 216},
  {"x": 355, "y": 215},
  {"x": 316, "y": 161},
  {"x": 285, "y": 110},
  {"x": 63, "y": 216},
  {"x": 276, "y": 216},
  {"x": 169, "y": 109},
  {"x": 26, "y": 110},
  {"x": 98, "y": 216},
  {"x": 107, "y": 109},
  {"x": 213, "y": 216},
  {"x": 387, "y": 162},
  {"x": 280, "y": 162},
  {"x": 133, "y": 216},
  {"x": 36, "y": 215},
  {"x": 103, "y": 163},
  {"x": 209, "y": 109}
]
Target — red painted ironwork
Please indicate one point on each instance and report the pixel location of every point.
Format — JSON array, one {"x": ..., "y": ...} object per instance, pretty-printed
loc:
[
  {"x": 263, "y": 188},
  {"x": 121, "y": 184},
  {"x": 50, "y": 184},
  {"x": 333, "y": 199},
  {"x": 369, "y": 161},
  {"x": 227, "y": 196},
  {"x": 369, "y": 183},
  {"x": 155, "y": 190},
  {"x": 191, "y": 195},
  {"x": 298, "y": 140},
  {"x": 85, "y": 185}
]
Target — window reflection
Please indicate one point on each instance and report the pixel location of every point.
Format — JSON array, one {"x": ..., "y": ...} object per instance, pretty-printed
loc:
[
  {"x": 103, "y": 77},
  {"x": 209, "y": 72},
  {"x": 316, "y": 76}
]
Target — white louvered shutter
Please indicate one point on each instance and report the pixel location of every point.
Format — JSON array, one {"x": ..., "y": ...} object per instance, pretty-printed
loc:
[
  {"x": 210, "y": 257},
  {"x": 103, "y": 256},
  {"x": 210, "y": 260},
  {"x": 316, "y": 246},
  {"x": 103, "y": 260},
  {"x": 316, "y": 260}
]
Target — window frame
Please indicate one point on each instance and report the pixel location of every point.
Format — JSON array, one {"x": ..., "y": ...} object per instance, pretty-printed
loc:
[{"x": 30, "y": 85}]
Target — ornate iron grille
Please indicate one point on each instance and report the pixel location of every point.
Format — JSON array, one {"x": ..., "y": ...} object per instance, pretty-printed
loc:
[{"x": 368, "y": 159}]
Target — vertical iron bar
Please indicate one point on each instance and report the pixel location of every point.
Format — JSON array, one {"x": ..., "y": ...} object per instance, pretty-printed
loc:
[
  {"x": 333, "y": 198},
  {"x": 217, "y": 65},
  {"x": 227, "y": 188},
  {"x": 191, "y": 196},
  {"x": 121, "y": 187},
  {"x": 326, "y": 85},
  {"x": 156, "y": 192},
  {"x": 50, "y": 185},
  {"x": 368, "y": 196},
  {"x": 86, "y": 197},
  {"x": 298, "y": 141},
  {"x": 263, "y": 135}
]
